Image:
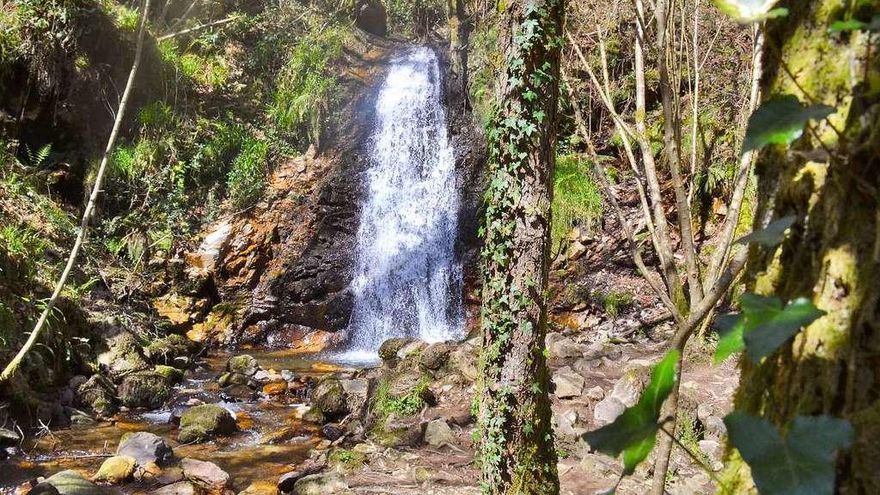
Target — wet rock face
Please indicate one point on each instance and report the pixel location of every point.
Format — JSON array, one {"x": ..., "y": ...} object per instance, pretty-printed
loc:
[{"x": 145, "y": 448}]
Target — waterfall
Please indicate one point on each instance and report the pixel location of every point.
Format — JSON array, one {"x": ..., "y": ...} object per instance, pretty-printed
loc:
[{"x": 407, "y": 278}]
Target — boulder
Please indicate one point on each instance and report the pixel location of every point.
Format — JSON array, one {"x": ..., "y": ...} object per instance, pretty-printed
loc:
[
  {"x": 371, "y": 16},
  {"x": 320, "y": 484},
  {"x": 98, "y": 394},
  {"x": 438, "y": 433},
  {"x": 388, "y": 349},
  {"x": 205, "y": 474},
  {"x": 275, "y": 388},
  {"x": 72, "y": 483},
  {"x": 332, "y": 432},
  {"x": 179, "y": 488},
  {"x": 168, "y": 348},
  {"x": 145, "y": 448},
  {"x": 116, "y": 469},
  {"x": 568, "y": 383},
  {"x": 608, "y": 410},
  {"x": 124, "y": 355},
  {"x": 399, "y": 432},
  {"x": 200, "y": 423},
  {"x": 329, "y": 397},
  {"x": 435, "y": 356},
  {"x": 565, "y": 425},
  {"x": 171, "y": 374},
  {"x": 243, "y": 365},
  {"x": 147, "y": 389},
  {"x": 43, "y": 489},
  {"x": 287, "y": 481}
]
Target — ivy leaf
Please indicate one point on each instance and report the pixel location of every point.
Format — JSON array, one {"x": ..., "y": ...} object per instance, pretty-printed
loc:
[
  {"x": 730, "y": 336},
  {"x": 634, "y": 432},
  {"x": 771, "y": 235},
  {"x": 801, "y": 462},
  {"x": 748, "y": 11},
  {"x": 768, "y": 325},
  {"x": 781, "y": 121}
]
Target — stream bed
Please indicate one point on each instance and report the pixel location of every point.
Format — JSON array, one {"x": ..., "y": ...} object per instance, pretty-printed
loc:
[{"x": 271, "y": 440}]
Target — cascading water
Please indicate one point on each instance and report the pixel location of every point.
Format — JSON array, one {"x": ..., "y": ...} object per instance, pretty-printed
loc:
[{"x": 408, "y": 281}]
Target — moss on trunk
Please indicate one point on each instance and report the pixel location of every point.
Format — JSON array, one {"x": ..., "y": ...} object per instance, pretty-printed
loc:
[{"x": 832, "y": 254}]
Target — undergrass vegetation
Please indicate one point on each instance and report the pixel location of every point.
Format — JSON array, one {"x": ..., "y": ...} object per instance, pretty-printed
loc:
[{"x": 577, "y": 201}]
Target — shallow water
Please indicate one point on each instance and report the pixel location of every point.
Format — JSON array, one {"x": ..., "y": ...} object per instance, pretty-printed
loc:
[{"x": 245, "y": 455}]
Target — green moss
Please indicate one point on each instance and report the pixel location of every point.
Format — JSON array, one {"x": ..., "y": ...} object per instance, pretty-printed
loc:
[{"x": 346, "y": 460}]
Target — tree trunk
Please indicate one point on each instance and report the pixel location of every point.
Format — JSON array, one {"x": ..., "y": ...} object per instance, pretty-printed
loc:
[
  {"x": 832, "y": 254},
  {"x": 516, "y": 450},
  {"x": 458, "y": 34}
]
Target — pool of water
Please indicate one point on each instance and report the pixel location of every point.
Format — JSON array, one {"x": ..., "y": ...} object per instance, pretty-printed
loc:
[{"x": 255, "y": 454}]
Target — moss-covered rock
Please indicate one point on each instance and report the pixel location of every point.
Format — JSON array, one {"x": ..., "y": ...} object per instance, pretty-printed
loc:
[
  {"x": 144, "y": 389},
  {"x": 116, "y": 469},
  {"x": 243, "y": 365},
  {"x": 388, "y": 349},
  {"x": 123, "y": 356},
  {"x": 329, "y": 397},
  {"x": 98, "y": 394},
  {"x": 435, "y": 356},
  {"x": 168, "y": 348},
  {"x": 73, "y": 483},
  {"x": 200, "y": 423},
  {"x": 172, "y": 375}
]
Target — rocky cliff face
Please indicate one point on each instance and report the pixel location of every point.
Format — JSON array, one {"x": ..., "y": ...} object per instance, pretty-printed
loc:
[{"x": 288, "y": 263}]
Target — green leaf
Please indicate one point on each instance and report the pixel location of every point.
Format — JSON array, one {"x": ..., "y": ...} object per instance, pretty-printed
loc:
[
  {"x": 801, "y": 462},
  {"x": 842, "y": 26},
  {"x": 730, "y": 341},
  {"x": 781, "y": 121},
  {"x": 772, "y": 234},
  {"x": 748, "y": 11},
  {"x": 634, "y": 432},
  {"x": 767, "y": 325}
]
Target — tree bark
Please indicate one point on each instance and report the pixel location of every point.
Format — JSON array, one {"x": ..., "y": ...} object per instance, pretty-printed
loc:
[
  {"x": 516, "y": 452},
  {"x": 13, "y": 365},
  {"x": 832, "y": 254}
]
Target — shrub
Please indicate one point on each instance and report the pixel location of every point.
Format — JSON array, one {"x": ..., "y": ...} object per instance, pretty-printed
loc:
[{"x": 247, "y": 178}]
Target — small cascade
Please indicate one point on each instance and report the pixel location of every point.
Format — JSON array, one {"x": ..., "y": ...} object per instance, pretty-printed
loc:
[{"x": 408, "y": 280}]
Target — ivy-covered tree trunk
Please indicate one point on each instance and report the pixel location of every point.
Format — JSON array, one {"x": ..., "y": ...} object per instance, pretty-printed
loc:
[
  {"x": 830, "y": 180},
  {"x": 516, "y": 451}
]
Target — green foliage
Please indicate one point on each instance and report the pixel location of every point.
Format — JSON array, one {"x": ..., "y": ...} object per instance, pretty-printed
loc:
[
  {"x": 209, "y": 71},
  {"x": 21, "y": 243},
  {"x": 614, "y": 301},
  {"x": 156, "y": 116},
  {"x": 764, "y": 325},
  {"x": 577, "y": 201},
  {"x": 406, "y": 405},
  {"x": 306, "y": 87},
  {"x": 799, "y": 463},
  {"x": 771, "y": 235},
  {"x": 125, "y": 18},
  {"x": 415, "y": 17},
  {"x": 634, "y": 432},
  {"x": 247, "y": 178},
  {"x": 781, "y": 120}
]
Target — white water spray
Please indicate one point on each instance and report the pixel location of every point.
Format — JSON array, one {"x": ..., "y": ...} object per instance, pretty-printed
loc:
[{"x": 408, "y": 281}]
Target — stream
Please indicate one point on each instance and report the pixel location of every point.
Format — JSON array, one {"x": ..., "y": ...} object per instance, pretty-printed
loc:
[{"x": 271, "y": 441}]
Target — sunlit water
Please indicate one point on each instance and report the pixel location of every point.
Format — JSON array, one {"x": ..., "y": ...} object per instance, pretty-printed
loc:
[{"x": 407, "y": 277}]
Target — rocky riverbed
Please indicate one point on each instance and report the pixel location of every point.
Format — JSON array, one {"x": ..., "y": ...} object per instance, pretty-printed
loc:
[{"x": 284, "y": 422}]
